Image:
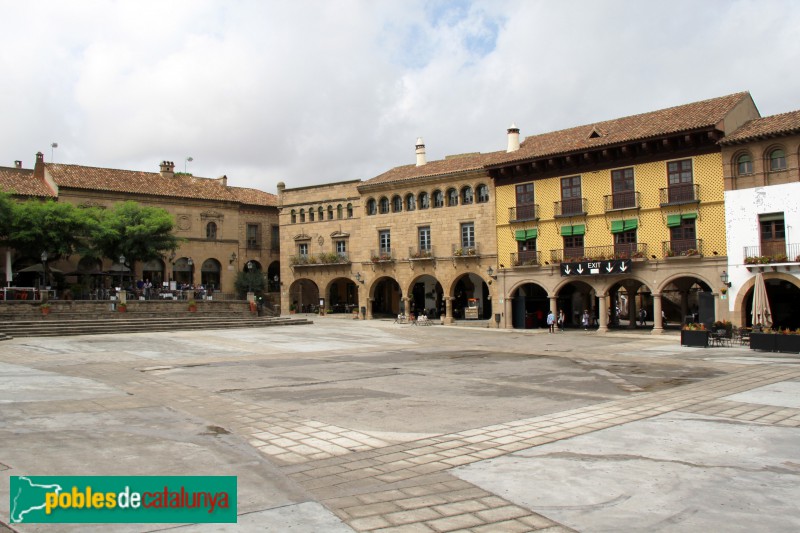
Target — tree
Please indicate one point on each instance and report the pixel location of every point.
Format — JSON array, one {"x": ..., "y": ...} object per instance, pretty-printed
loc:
[
  {"x": 60, "y": 229},
  {"x": 7, "y": 206},
  {"x": 254, "y": 280},
  {"x": 138, "y": 232}
]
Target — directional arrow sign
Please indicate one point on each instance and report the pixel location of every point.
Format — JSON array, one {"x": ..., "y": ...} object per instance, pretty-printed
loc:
[{"x": 596, "y": 268}]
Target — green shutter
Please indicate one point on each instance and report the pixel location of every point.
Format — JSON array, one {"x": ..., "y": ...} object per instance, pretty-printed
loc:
[
  {"x": 688, "y": 216},
  {"x": 579, "y": 229},
  {"x": 566, "y": 231},
  {"x": 520, "y": 235},
  {"x": 630, "y": 224},
  {"x": 617, "y": 226},
  {"x": 532, "y": 234},
  {"x": 673, "y": 220}
]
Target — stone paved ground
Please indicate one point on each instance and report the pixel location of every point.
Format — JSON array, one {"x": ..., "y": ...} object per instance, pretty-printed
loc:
[{"x": 372, "y": 426}]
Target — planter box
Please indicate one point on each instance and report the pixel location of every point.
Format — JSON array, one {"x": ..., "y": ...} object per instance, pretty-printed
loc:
[
  {"x": 763, "y": 341},
  {"x": 698, "y": 338},
  {"x": 787, "y": 343}
]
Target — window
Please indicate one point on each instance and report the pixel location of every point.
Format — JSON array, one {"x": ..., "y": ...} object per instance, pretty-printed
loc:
[
  {"x": 424, "y": 200},
  {"x": 321, "y": 214},
  {"x": 252, "y": 236},
  {"x": 349, "y": 210},
  {"x": 683, "y": 236},
  {"x": 524, "y": 194},
  {"x": 385, "y": 241},
  {"x": 411, "y": 202},
  {"x": 623, "y": 194},
  {"x": 679, "y": 175},
  {"x": 573, "y": 246},
  {"x": 468, "y": 235},
  {"x": 625, "y": 242},
  {"x": 372, "y": 207},
  {"x": 483, "y": 194},
  {"x": 341, "y": 247},
  {"x": 302, "y": 249},
  {"x": 744, "y": 165},
  {"x": 466, "y": 195},
  {"x": 311, "y": 215},
  {"x": 384, "y": 205},
  {"x": 294, "y": 217},
  {"x": 777, "y": 160},
  {"x": 275, "y": 238},
  {"x": 330, "y": 212},
  {"x": 571, "y": 201},
  {"x": 526, "y": 252},
  {"x": 397, "y": 204},
  {"x": 438, "y": 199},
  {"x": 424, "y": 238},
  {"x": 211, "y": 231},
  {"x": 773, "y": 234},
  {"x": 339, "y": 211},
  {"x": 452, "y": 197}
]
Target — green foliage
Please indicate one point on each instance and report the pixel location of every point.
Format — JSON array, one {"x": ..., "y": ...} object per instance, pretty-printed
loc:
[
  {"x": 255, "y": 281},
  {"x": 6, "y": 215},
  {"x": 60, "y": 229}
]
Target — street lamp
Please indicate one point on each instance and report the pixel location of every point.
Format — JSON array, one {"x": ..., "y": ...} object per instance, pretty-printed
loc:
[
  {"x": 190, "y": 262},
  {"x": 249, "y": 278},
  {"x": 724, "y": 278},
  {"x": 44, "y": 269},
  {"x": 121, "y": 266}
]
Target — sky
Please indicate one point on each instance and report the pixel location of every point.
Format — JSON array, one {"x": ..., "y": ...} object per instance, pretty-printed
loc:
[{"x": 311, "y": 92}]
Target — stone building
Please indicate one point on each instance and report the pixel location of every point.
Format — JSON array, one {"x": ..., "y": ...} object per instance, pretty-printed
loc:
[
  {"x": 224, "y": 227},
  {"x": 616, "y": 216},
  {"x": 416, "y": 239},
  {"x": 762, "y": 187}
]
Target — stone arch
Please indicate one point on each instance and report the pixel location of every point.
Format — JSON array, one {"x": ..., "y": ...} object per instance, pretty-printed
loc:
[
  {"x": 530, "y": 304},
  {"x": 425, "y": 294},
  {"x": 341, "y": 295},
  {"x": 742, "y": 311},
  {"x": 210, "y": 272},
  {"x": 304, "y": 295},
  {"x": 467, "y": 286},
  {"x": 386, "y": 296}
]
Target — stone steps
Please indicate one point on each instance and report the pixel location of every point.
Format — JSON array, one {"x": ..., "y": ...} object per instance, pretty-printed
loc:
[{"x": 81, "y": 326}]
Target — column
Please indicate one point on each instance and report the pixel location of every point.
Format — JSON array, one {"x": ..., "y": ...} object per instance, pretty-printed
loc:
[
  {"x": 658, "y": 323},
  {"x": 507, "y": 310},
  {"x": 448, "y": 314},
  {"x": 554, "y": 305},
  {"x": 603, "y": 328},
  {"x": 369, "y": 308}
]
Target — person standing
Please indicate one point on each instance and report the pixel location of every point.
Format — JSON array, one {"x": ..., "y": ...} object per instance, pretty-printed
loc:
[
  {"x": 585, "y": 320},
  {"x": 642, "y": 317},
  {"x": 561, "y": 319},
  {"x": 551, "y": 322}
]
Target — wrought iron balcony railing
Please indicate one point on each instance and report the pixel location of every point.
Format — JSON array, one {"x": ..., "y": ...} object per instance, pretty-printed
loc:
[
  {"x": 526, "y": 258},
  {"x": 465, "y": 251},
  {"x": 622, "y": 200},
  {"x": 420, "y": 253},
  {"x": 523, "y": 213},
  {"x": 381, "y": 256},
  {"x": 634, "y": 250},
  {"x": 323, "y": 259},
  {"x": 683, "y": 248},
  {"x": 772, "y": 252},
  {"x": 685, "y": 193},
  {"x": 570, "y": 207}
]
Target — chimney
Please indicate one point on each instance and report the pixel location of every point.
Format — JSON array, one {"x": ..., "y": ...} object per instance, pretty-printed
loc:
[
  {"x": 167, "y": 169},
  {"x": 420, "y": 152},
  {"x": 224, "y": 180},
  {"x": 281, "y": 187},
  {"x": 17, "y": 164},
  {"x": 38, "y": 169},
  {"x": 513, "y": 138}
]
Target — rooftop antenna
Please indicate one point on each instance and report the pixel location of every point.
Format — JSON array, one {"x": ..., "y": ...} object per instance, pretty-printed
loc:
[{"x": 52, "y": 147}]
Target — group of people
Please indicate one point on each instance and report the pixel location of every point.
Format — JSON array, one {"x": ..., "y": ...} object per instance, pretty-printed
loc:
[{"x": 553, "y": 321}]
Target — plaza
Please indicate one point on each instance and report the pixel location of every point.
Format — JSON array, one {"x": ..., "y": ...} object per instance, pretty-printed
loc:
[{"x": 352, "y": 425}]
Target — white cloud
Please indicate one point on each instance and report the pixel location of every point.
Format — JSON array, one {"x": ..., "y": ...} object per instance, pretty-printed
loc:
[{"x": 310, "y": 92}]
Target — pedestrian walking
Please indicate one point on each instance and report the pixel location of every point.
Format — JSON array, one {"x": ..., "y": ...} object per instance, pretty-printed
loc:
[
  {"x": 642, "y": 317},
  {"x": 551, "y": 322},
  {"x": 585, "y": 320},
  {"x": 561, "y": 319}
]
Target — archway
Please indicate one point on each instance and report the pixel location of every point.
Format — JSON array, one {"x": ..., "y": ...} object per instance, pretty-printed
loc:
[
  {"x": 251, "y": 264},
  {"x": 342, "y": 296},
  {"x": 153, "y": 270},
  {"x": 274, "y": 277},
  {"x": 304, "y": 296},
  {"x": 386, "y": 298},
  {"x": 426, "y": 296},
  {"x": 468, "y": 290},
  {"x": 687, "y": 299},
  {"x": 783, "y": 296},
  {"x": 210, "y": 274},
  {"x": 529, "y": 307},
  {"x": 575, "y": 298},
  {"x": 628, "y": 298},
  {"x": 182, "y": 271}
]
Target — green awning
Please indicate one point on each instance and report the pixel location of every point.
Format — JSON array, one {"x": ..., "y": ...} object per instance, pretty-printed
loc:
[
  {"x": 579, "y": 229},
  {"x": 566, "y": 231},
  {"x": 673, "y": 220},
  {"x": 687, "y": 216},
  {"x": 617, "y": 226},
  {"x": 630, "y": 224},
  {"x": 526, "y": 234}
]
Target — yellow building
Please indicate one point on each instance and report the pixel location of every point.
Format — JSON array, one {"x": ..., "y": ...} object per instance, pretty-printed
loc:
[{"x": 611, "y": 218}]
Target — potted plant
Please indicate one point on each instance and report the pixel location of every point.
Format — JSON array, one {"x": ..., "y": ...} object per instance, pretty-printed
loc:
[
  {"x": 787, "y": 341},
  {"x": 292, "y": 309},
  {"x": 192, "y": 306},
  {"x": 122, "y": 307},
  {"x": 45, "y": 307},
  {"x": 762, "y": 339},
  {"x": 694, "y": 335}
]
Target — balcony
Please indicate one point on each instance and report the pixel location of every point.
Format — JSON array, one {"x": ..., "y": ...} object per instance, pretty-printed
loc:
[
  {"x": 685, "y": 193},
  {"x": 523, "y": 213},
  {"x": 465, "y": 251},
  {"x": 622, "y": 200},
  {"x": 773, "y": 252},
  {"x": 323, "y": 259},
  {"x": 570, "y": 208},
  {"x": 683, "y": 248},
  {"x": 381, "y": 256},
  {"x": 253, "y": 245},
  {"x": 420, "y": 254},
  {"x": 527, "y": 258},
  {"x": 634, "y": 250}
]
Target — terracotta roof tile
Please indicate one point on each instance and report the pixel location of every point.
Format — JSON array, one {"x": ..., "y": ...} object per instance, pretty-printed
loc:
[
  {"x": 654, "y": 124},
  {"x": 450, "y": 165},
  {"x": 21, "y": 181},
  {"x": 783, "y": 124},
  {"x": 153, "y": 183}
]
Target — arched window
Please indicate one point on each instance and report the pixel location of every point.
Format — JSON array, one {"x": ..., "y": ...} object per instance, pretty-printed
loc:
[
  {"x": 383, "y": 206},
  {"x": 330, "y": 212},
  {"x": 777, "y": 160},
  {"x": 349, "y": 210},
  {"x": 339, "y": 211},
  {"x": 483, "y": 193},
  {"x": 211, "y": 231},
  {"x": 311, "y": 214},
  {"x": 452, "y": 197},
  {"x": 411, "y": 202},
  {"x": 321, "y": 214},
  {"x": 372, "y": 207},
  {"x": 294, "y": 217},
  {"x": 438, "y": 199},
  {"x": 424, "y": 200},
  {"x": 302, "y": 215},
  {"x": 744, "y": 165},
  {"x": 466, "y": 195},
  {"x": 397, "y": 204}
]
